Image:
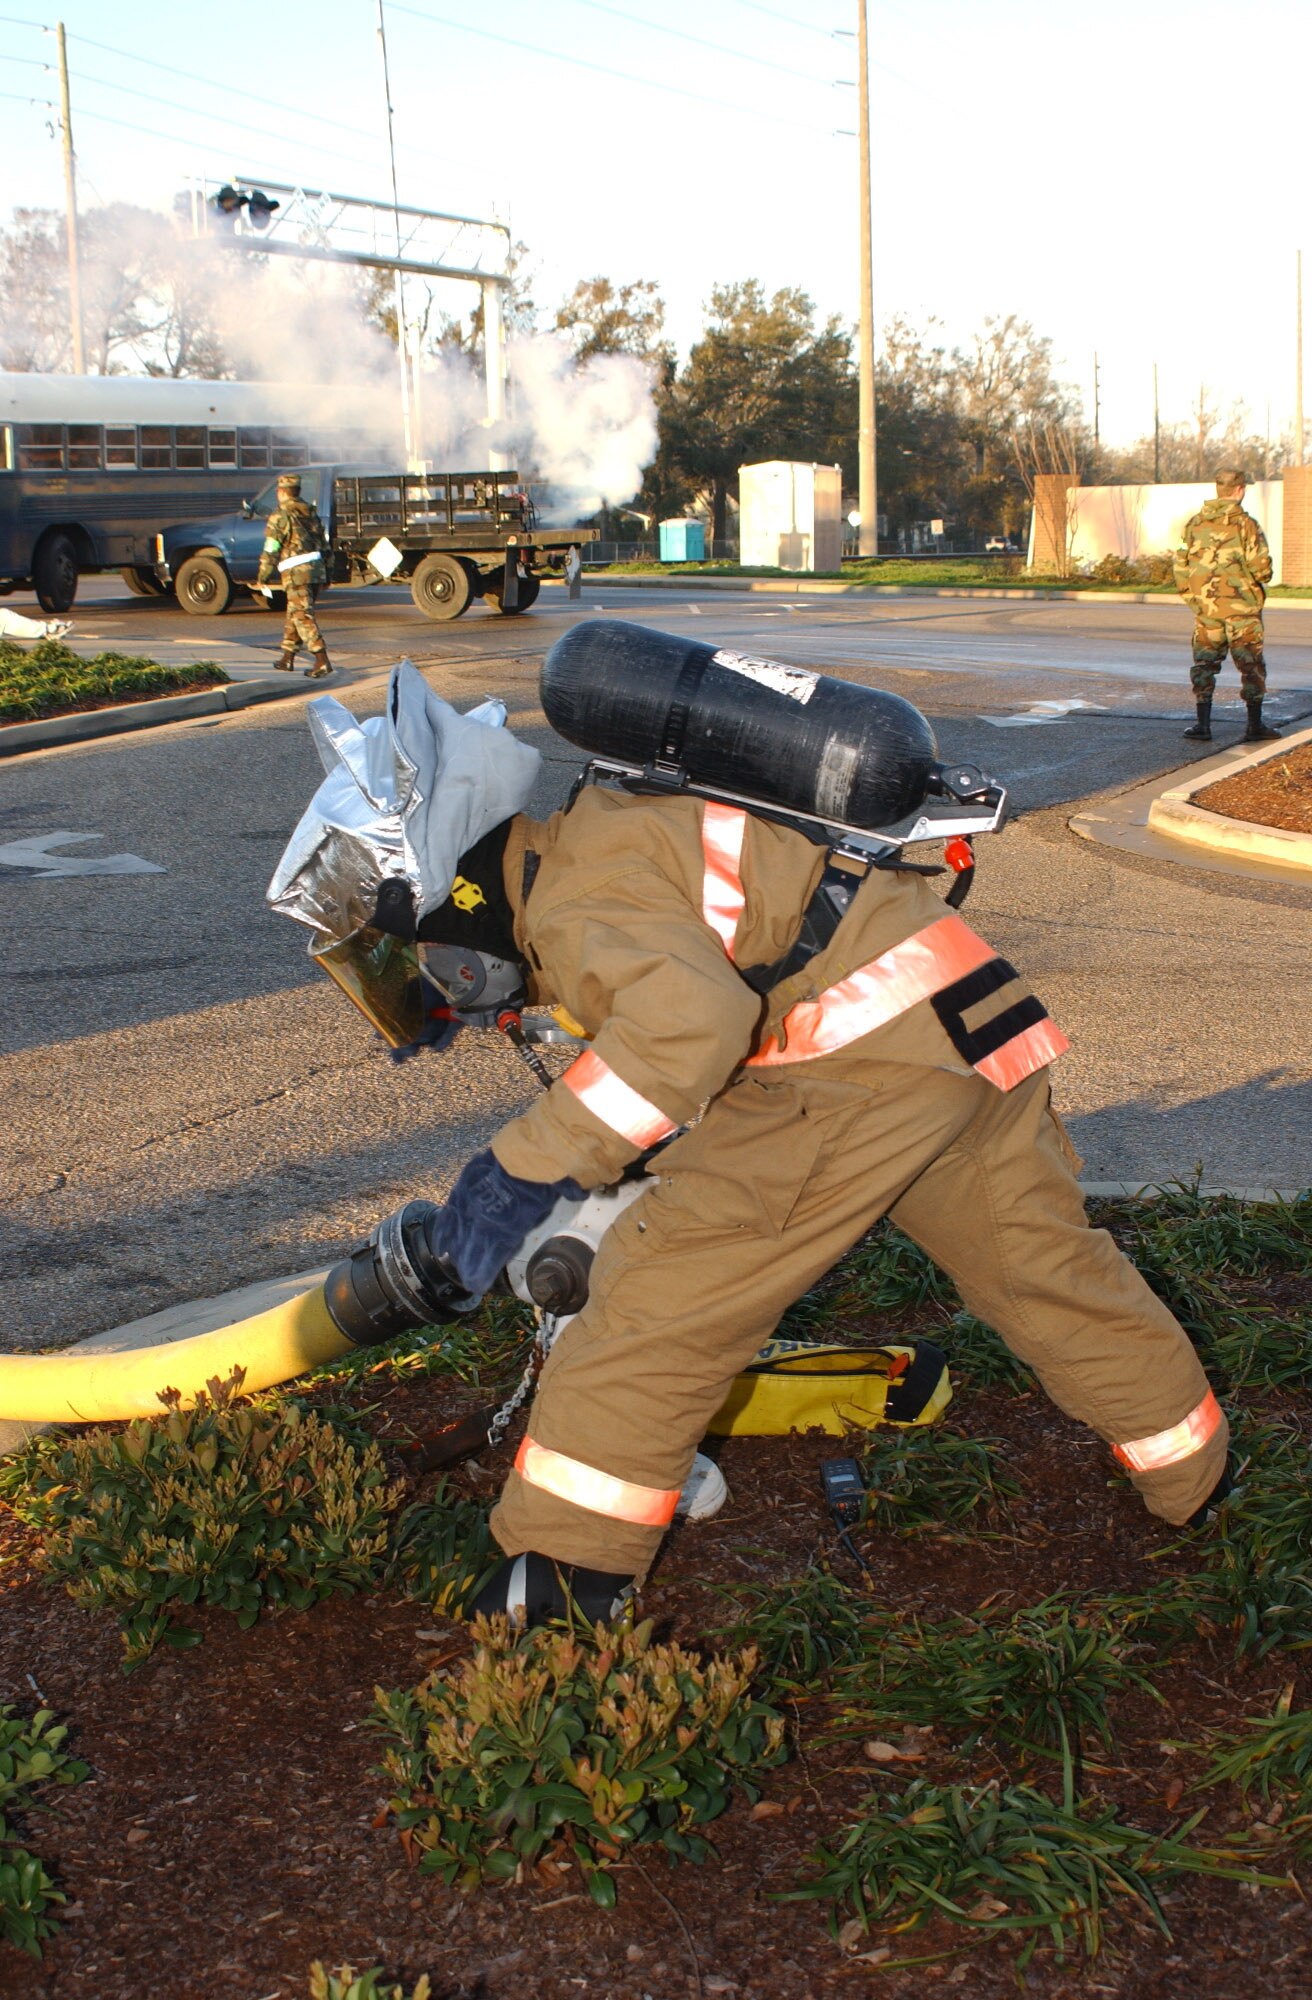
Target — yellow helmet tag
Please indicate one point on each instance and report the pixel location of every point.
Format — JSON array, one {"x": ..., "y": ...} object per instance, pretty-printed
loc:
[{"x": 466, "y": 895}]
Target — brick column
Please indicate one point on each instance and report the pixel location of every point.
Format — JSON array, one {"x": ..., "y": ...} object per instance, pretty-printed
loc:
[
  {"x": 1052, "y": 492},
  {"x": 1296, "y": 542}
]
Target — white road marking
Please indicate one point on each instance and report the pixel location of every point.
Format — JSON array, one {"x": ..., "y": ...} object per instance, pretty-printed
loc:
[{"x": 34, "y": 853}]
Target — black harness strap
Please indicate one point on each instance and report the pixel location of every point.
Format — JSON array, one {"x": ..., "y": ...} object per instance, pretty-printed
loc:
[{"x": 681, "y": 701}]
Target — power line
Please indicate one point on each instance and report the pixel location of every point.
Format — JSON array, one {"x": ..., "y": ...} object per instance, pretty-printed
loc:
[
  {"x": 790, "y": 20},
  {"x": 601, "y": 69},
  {"x": 699, "y": 41},
  {"x": 235, "y": 90}
]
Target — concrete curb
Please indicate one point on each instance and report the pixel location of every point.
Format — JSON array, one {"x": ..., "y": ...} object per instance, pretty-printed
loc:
[
  {"x": 53, "y": 730},
  {"x": 1174, "y": 815},
  {"x": 835, "y": 587},
  {"x": 195, "y": 1316}
]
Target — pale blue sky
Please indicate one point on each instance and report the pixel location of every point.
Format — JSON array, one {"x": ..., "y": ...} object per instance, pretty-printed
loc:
[{"x": 1130, "y": 177}]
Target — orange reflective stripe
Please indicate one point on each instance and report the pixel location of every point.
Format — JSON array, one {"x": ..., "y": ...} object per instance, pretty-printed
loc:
[
  {"x": 1168, "y": 1447},
  {"x": 609, "y": 1098},
  {"x": 877, "y": 993},
  {"x": 1031, "y": 1049},
  {"x": 723, "y": 895},
  {"x": 600, "y": 1492}
]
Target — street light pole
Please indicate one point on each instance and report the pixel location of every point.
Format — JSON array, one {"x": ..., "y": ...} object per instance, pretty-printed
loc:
[
  {"x": 70, "y": 204},
  {"x": 406, "y": 425},
  {"x": 868, "y": 484}
]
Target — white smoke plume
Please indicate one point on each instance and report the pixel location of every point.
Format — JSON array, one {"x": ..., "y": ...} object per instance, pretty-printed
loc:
[{"x": 158, "y": 302}]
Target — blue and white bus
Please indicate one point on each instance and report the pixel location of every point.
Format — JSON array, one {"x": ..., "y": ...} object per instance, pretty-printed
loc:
[{"x": 93, "y": 466}]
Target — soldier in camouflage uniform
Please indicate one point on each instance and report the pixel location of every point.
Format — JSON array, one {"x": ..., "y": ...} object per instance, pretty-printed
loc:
[
  {"x": 294, "y": 542},
  {"x": 1220, "y": 572}
]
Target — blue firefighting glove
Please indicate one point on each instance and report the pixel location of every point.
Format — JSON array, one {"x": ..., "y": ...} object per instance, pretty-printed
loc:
[
  {"x": 487, "y": 1216},
  {"x": 439, "y": 1031}
]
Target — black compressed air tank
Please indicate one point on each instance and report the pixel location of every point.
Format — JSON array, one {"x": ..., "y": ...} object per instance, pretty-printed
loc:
[{"x": 781, "y": 734}]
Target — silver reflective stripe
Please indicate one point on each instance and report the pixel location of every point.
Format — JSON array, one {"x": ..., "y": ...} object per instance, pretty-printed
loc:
[
  {"x": 294, "y": 562},
  {"x": 517, "y": 1591}
]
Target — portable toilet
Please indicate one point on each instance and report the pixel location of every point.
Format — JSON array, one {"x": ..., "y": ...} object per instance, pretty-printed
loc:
[{"x": 683, "y": 541}]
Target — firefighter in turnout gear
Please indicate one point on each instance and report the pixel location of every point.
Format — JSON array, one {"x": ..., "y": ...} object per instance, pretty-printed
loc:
[
  {"x": 295, "y": 552},
  {"x": 899, "y": 1069},
  {"x": 1221, "y": 571}
]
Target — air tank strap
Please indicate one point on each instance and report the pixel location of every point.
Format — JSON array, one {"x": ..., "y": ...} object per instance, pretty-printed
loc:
[
  {"x": 682, "y": 697},
  {"x": 830, "y": 901}
]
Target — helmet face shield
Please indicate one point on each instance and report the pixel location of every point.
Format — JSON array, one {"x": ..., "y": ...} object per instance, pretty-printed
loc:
[{"x": 380, "y": 975}]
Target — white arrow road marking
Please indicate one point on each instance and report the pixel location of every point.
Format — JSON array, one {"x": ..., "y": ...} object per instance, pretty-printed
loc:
[{"x": 34, "y": 853}]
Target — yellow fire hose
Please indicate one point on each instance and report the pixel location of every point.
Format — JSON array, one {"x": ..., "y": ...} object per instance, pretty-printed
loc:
[{"x": 100, "y": 1386}]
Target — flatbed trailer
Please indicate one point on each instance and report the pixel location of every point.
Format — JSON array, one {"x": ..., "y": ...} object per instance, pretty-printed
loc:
[{"x": 452, "y": 536}]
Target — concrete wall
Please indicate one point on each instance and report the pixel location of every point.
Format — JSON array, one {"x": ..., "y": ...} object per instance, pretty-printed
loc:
[
  {"x": 1135, "y": 521},
  {"x": 790, "y": 516}
]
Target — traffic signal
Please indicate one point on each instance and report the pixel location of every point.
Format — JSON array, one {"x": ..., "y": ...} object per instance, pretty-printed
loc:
[{"x": 260, "y": 209}]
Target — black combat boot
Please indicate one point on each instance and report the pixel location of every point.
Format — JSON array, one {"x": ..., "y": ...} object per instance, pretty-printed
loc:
[
  {"x": 1257, "y": 730},
  {"x": 321, "y": 669},
  {"x": 285, "y": 662},
  {"x": 1202, "y": 729},
  {"x": 532, "y": 1590}
]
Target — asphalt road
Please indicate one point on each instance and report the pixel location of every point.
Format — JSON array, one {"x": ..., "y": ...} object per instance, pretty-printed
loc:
[{"x": 190, "y": 1106}]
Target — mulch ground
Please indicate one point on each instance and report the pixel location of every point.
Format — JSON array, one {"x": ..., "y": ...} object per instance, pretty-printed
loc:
[
  {"x": 231, "y": 1829},
  {"x": 1277, "y": 792}
]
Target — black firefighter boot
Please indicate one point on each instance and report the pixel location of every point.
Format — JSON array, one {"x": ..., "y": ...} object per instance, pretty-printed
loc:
[
  {"x": 1202, "y": 729},
  {"x": 321, "y": 669},
  {"x": 1257, "y": 730}
]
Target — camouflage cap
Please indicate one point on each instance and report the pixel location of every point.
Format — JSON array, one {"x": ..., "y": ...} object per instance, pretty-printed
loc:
[
  {"x": 289, "y": 482},
  {"x": 1230, "y": 475}
]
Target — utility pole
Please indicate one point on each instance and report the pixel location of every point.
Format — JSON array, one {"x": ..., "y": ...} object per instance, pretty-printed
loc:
[
  {"x": 1157, "y": 433},
  {"x": 402, "y": 354},
  {"x": 1298, "y": 360},
  {"x": 868, "y": 482},
  {"x": 70, "y": 204},
  {"x": 1096, "y": 404}
]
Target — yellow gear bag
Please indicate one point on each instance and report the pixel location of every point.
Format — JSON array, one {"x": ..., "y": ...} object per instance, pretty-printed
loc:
[{"x": 795, "y": 1386}]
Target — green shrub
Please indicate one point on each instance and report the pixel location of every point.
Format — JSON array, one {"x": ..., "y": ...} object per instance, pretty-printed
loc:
[
  {"x": 49, "y": 676},
  {"x": 348, "y": 1984},
  {"x": 1005, "y": 1859},
  {"x": 801, "y": 1628},
  {"x": 31, "y": 1755},
  {"x": 586, "y": 1742},
  {"x": 1043, "y": 1676},
  {"x": 1274, "y": 1758},
  {"x": 982, "y": 1357},
  {"x": 442, "y": 1551},
  {"x": 224, "y": 1505},
  {"x": 918, "y": 1479}
]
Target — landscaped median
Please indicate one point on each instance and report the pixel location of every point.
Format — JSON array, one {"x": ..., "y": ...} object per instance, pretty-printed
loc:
[
  {"x": 1258, "y": 809},
  {"x": 50, "y": 695},
  {"x": 897, "y": 577}
]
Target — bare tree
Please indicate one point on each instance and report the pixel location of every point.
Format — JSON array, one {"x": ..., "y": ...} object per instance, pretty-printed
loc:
[{"x": 1050, "y": 454}]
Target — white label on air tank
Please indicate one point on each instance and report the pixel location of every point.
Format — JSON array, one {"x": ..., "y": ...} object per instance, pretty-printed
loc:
[{"x": 795, "y": 682}]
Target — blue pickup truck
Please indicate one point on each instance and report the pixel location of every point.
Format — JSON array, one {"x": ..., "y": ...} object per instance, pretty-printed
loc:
[{"x": 452, "y": 536}]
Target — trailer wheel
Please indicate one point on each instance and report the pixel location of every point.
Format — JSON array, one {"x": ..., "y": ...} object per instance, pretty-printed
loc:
[
  {"x": 441, "y": 587},
  {"x": 54, "y": 572},
  {"x": 142, "y": 582},
  {"x": 529, "y": 586},
  {"x": 204, "y": 587}
]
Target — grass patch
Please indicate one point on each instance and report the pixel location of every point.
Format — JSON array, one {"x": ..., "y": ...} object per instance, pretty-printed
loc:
[
  {"x": 49, "y": 678},
  {"x": 1273, "y": 1758},
  {"x": 32, "y": 1757},
  {"x": 802, "y": 1628},
  {"x": 1008, "y": 1859},
  {"x": 226, "y": 1505},
  {"x": 1041, "y": 1677},
  {"x": 919, "y": 1480},
  {"x": 442, "y": 1551},
  {"x": 371, "y": 1983},
  {"x": 486, "y": 1350},
  {"x": 561, "y": 1744}
]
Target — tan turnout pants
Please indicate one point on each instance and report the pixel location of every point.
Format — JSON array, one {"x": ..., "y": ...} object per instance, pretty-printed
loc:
[{"x": 753, "y": 1205}]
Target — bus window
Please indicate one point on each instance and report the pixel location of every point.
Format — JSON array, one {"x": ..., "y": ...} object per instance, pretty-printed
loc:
[
  {"x": 120, "y": 444},
  {"x": 254, "y": 445},
  {"x": 189, "y": 445},
  {"x": 84, "y": 448},
  {"x": 157, "y": 447},
  {"x": 223, "y": 447},
  {"x": 289, "y": 448},
  {"x": 41, "y": 447}
]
